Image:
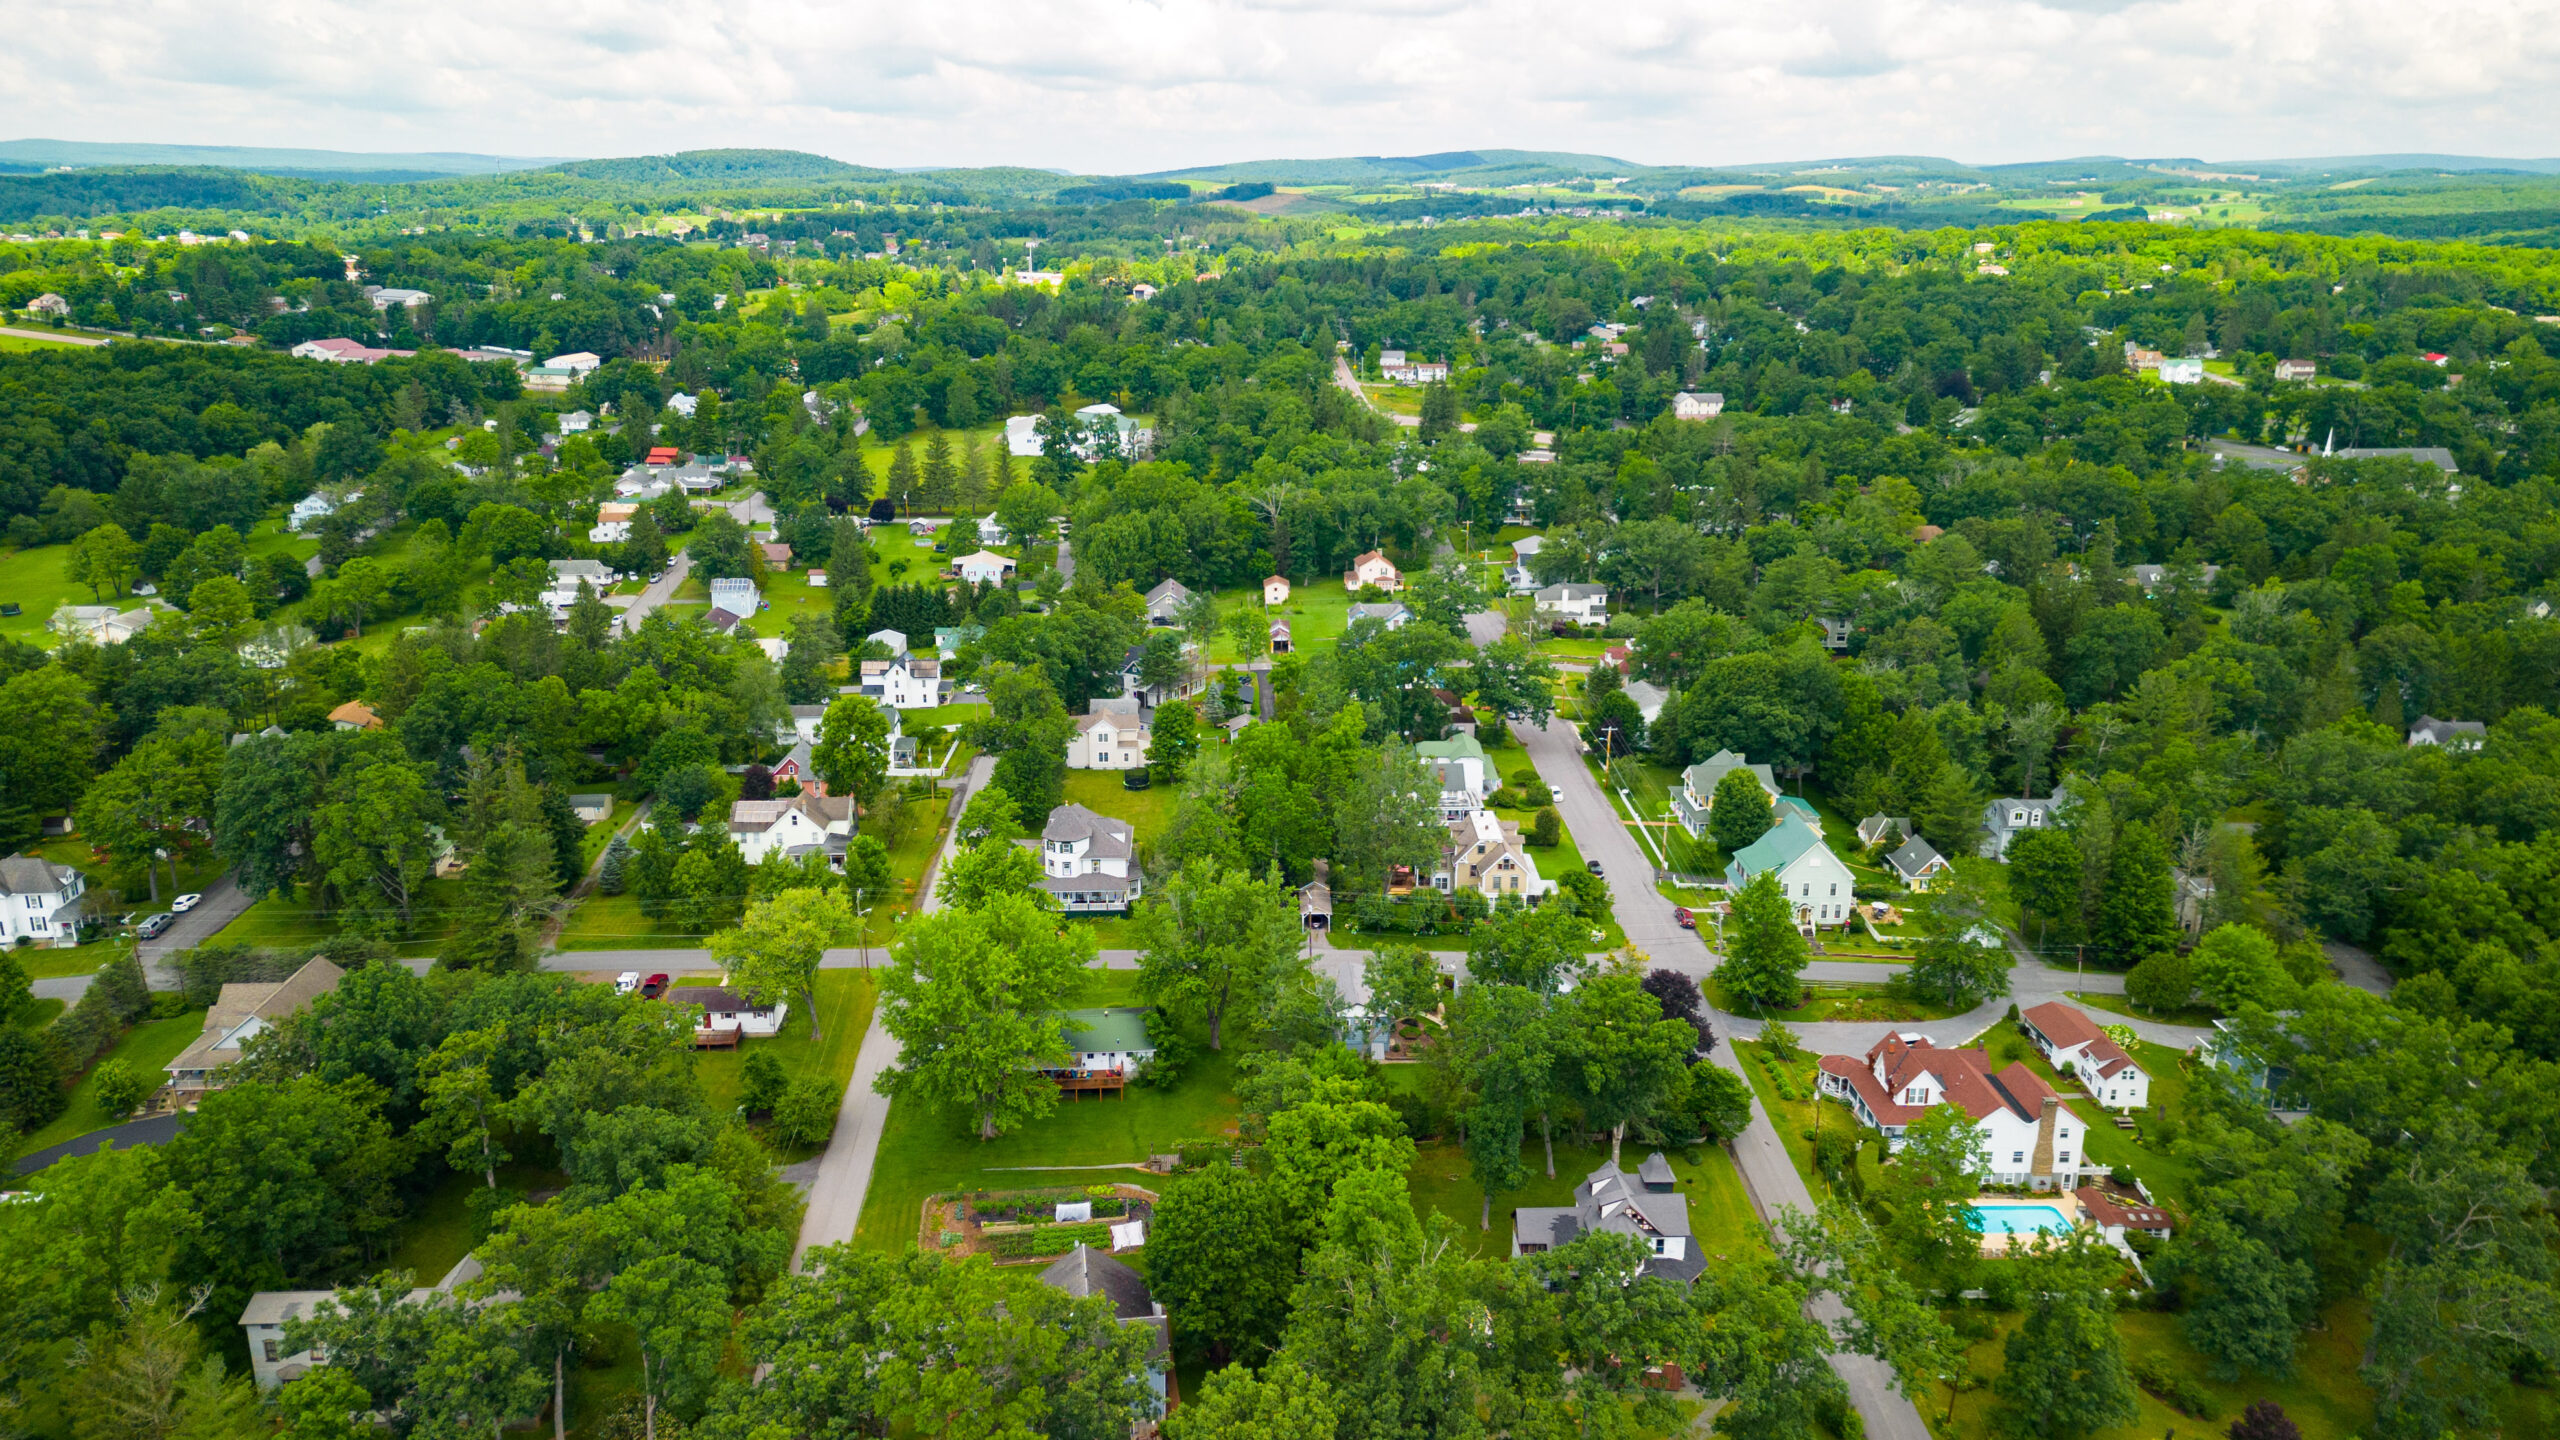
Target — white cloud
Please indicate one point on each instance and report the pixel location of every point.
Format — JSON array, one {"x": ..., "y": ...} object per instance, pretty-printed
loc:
[{"x": 1132, "y": 85}]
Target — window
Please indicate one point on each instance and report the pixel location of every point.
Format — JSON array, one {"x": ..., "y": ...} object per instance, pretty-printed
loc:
[
  {"x": 2062, "y": 1159},
  {"x": 2017, "y": 1157},
  {"x": 270, "y": 1351},
  {"x": 1835, "y": 889}
]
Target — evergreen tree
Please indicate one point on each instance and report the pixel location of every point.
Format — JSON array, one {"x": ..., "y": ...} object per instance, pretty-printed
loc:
[
  {"x": 2044, "y": 878},
  {"x": 1739, "y": 811},
  {"x": 808, "y": 667},
  {"x": 972, "y": 498},
  {"x": 1764, "y": 952},
  {"x": 2066, "y": 1375},
  {"x": 612, "y": 877},
  {"x": 939, "y": 486},
  {"x": 904, "y": 482},
  {"x": 2136, "y": 915}
]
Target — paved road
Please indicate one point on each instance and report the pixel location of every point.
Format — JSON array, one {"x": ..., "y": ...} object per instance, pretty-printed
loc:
[
  {"x": 1350, "y": 384},
  {"x": 660, "y": 591},
  {"x": 844, "y": 1171},
  {"x": 1486, "y": 626},
  {"x": 1066, "y": 563},
  {"x": 1766, "y": 1172},
  {"x": 17, "y": 334},
  {"x": 223, "y": 903}
]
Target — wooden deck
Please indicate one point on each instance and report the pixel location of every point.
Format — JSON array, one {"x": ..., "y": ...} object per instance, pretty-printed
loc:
[{"x": 1074, "y": 1083}]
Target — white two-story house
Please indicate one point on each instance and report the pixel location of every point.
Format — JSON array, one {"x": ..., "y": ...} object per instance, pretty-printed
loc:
[
  {"x": 2029, "y": 1136},
  {"x": 1466, "y": 776},
  {"x": 905, "y": 683},
  {"x": 2006, "y": 819},
  {"x": 39, "y": 901},
  {"x": 1375, "y": 569},
  {"x": 1816, "y": 882},
  {"x": 1484, "y": 854},
  {"x": 1110, "y": 735},
  {"x": 1646, "y": 1205},
  {"x": 806, "y": 824},
  {"x": 2074, "y": 1045},
  {"x": 1581, "y": 604},
  {"x": 1697, "y": 792},
  {"x": 1088, "y": 862}
]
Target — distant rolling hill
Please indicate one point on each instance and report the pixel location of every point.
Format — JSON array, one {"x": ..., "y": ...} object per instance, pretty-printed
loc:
[{"x": 82, "y": 154}]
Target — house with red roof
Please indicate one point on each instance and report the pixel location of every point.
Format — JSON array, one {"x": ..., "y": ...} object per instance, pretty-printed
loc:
[
  {"x": 2074, "y": 1045},
  {"x": 2029, "y": 1137},
  {"x": 2115, "y": 1211}
]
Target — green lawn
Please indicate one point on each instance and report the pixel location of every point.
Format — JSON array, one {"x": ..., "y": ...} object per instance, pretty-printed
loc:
[
  {"x": 32, "y": 580},
  {"x": 2325, "y": 1398},
  {"x": 1318, "y": 612},
  {"x": 600, "y": 834},
  {"x": 940, "y": 716},
  {"x": 844, "y": 1006},
  {"x": 614, "y": 922},
  {"x": 1148, "y": 811},
  {"x": 280, "y": 923},
  {"x": 1794, "y": 1120},
  {"x": 2116, "y": 1004},
  {"x": 146, "y": 1047},
  {"x": 437, "y": 1232},
  {"x": 41, "y": 1013},
  {"x": 1833, "y": 1000},
  {"x": 1720, "y": 1214},
  {"x": 923, "y": 1152}
]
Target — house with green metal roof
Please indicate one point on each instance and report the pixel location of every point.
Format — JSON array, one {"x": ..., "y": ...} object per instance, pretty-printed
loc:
[
  {"x": 1697, "y": 792},
  {"x": 1111, "y": 1038},
  {"x": 1466, "y": 775},
  {"x": 1816, "y": 882}
]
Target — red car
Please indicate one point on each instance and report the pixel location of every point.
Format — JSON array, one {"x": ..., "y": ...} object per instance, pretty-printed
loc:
[
  {"x": 1687, "y": 920},
  {"x": 653, "y": 987}
]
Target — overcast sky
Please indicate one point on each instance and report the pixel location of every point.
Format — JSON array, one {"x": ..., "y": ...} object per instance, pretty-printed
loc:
[{"x": 1121, "y": 86}]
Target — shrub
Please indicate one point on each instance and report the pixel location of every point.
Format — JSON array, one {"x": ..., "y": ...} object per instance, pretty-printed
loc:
[
  {"x": 2264, "y": 1420},
  {"x": 2174, "y": 1390},
  {"x": 119, "y": 1087},
  {"x": 806, "y": 1114},
  {"x": 1548, "y": 829},
  {"x": 2160, "y": 984},
  {"x": 766, "y": 1082},
  {"x": 1175, "y": 1053}
]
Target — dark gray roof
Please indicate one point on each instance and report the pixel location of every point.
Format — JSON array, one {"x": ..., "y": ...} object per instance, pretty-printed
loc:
[
  {"x": 32, "y": 875},
  {"x": 1072, "y": 822},
  {"x": 1655, "y": 1172},
  {"x": 1086, "y": 1271},
  {"x": 1913, "y": 857}
]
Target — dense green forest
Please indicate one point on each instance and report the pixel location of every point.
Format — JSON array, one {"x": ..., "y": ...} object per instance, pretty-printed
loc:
[{"x": 2048, "y": 571}]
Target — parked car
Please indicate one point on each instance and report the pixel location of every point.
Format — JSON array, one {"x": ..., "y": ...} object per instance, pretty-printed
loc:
[
  {"x": 152, "y": 928},
  {"x": 1687, "y": 920},
  {"x": 185, "y": 903},
  {"x": 626, "y": 982},
  {"x": 1591, "y": 865},
  {"x": 653, "y": 987}
]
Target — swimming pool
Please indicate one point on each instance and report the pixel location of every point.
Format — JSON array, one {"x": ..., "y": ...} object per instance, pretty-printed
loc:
[{"x": 2019, "y": 1220}]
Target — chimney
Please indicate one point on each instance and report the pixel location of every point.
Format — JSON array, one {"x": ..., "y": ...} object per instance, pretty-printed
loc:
[{"x": 2041, "y": 1163}]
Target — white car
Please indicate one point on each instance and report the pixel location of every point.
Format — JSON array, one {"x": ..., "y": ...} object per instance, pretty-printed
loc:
[
  {"x": 185, "y": 903},
  {"x": 626, "y": 982}
]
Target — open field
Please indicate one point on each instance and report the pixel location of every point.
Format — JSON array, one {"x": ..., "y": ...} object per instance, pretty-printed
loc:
[{"x": 146, "y": 1047}]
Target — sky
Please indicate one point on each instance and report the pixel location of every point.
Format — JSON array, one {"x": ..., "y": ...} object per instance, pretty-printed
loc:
[{"x": 1129, "y": 86}]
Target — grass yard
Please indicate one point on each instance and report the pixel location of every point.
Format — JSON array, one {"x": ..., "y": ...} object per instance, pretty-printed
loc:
[
  {"x": 437, "y": 1233},
  {"x": 941, "y": 716},
  {"x": 2116, "y": 1004},
  {"x": 1148, "y": 811},
  {"x": 614, "y": 922},
  {"x": 32, "y": 580},
  {"x": 146, "y": 1047},
  {"x": 789, "y": 597},
  {"x": 1796, "y": 1120},
  {"x": 42, "y": 1012},
  {"x": 2325, "y": 1397},
  {"x": 1834, "y": 1000},
  {"x": 1720, "y": 1214},
  {"x": 1318, "y": 612},
  {"x": 923, "y": 1152},
  {"x": 51, "y": 964},
  {"x": 285, "y": 924},
  {"x": 599, "y": 835},
  {"x": 844, "y": 1006}
]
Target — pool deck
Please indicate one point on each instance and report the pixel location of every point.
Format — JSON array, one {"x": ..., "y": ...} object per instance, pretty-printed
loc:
[{"x": 1998, "y": 1242}]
